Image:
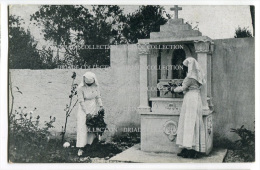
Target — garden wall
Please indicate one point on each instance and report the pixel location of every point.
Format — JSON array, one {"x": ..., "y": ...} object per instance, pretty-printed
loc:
[
  {"x": 233, "y": 83},
  {"x": 48, "y": 91}
]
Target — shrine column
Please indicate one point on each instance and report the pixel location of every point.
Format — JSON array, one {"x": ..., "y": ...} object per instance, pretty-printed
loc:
[
  {"x": 203, "y": 50},
  {"x": 143, "y": 57}
]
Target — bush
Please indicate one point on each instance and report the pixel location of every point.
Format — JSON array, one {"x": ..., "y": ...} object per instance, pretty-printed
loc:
[
  {"x": 23, "y": 52},
  {"x": 246, "y": 143},
  {"x": 242, "y": 33},
  {"x": 27, "y": 141},
  {"x": 241, "y": 150}
]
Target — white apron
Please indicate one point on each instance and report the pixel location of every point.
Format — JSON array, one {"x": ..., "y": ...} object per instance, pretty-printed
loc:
[
  {"x": 191, "y": 130},
  {"x": 90, "y": 96}
]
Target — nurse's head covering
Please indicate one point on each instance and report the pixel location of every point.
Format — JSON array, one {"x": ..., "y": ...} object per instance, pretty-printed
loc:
[
  {"x": 89, "y": 78},
  {"x": 194, "y": 70}
]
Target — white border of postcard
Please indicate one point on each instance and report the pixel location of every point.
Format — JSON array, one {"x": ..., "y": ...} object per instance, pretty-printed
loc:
[{"x": 3, "y": 90}]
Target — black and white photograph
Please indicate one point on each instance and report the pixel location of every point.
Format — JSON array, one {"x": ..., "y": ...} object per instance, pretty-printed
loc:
[{"x": 131, "y": 83}]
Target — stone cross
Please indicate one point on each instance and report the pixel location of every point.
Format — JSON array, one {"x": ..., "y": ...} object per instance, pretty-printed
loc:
[{"x": 176, "y": 9}]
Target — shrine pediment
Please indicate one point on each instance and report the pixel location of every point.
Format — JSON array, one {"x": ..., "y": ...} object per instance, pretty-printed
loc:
[{"x": 175, "y": 30}]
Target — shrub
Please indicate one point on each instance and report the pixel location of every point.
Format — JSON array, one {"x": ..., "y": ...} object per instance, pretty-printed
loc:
[
  {"x": 27, "y": 140},
  {"x": 246, "y": 143},
  {"x": 96, "y": 123},
  {"x": 242, "y": 33}
]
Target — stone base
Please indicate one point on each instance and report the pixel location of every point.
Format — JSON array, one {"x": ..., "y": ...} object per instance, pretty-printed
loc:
[
  {"x": 153, "y": 137},
  {"x": 135, "y": 154},
  {"x": 159, "y": 127}
]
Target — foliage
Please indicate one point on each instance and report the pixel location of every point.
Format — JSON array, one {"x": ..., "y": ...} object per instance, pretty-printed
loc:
[
  {"x": 22, "y": 47},
  {"x": 48, "y": 59},
  {"x": 27, "y": 140},
  {"x": 246, "y": 143},
  {"x": 143, "y": 21},
  {"x": 96, "y": 123},
  {"x": 169, "y": 87},
  {"x": 70, "y": 106},
  {"x": 101, "y": 149},
  {"x": 71, "y": 27},
  {"x": 23, "y": 53},
  {"x": 242, "y": 33}
]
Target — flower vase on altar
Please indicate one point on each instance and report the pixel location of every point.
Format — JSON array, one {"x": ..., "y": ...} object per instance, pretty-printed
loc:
[{"x": 164, "y": 91}]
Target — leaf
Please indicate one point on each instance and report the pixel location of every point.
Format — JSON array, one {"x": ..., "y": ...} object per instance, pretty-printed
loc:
[{"x": 73, "y": 75}]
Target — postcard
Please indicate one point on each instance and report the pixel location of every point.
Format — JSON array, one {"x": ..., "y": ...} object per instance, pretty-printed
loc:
[{"x": 131, "y": 83}]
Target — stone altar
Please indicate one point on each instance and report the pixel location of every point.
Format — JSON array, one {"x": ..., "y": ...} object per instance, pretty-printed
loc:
[{"x": 159, "y": 113}]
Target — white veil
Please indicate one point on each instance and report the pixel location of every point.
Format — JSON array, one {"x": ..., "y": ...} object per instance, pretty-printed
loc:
[
  {"x": 194, "y": 70},
  {"x": 89, "y": 75}
]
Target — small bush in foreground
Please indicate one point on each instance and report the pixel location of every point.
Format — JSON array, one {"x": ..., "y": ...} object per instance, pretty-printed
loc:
[{"x": 27, "y": 140}]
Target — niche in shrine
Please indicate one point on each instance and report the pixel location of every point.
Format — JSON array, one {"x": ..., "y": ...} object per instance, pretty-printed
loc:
[{"x": 171, "y": 69}]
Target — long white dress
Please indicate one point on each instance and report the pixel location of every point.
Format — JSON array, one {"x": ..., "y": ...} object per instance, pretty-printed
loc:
[
  {"x": 191, "y": 130},
  {"x": 90, "y": 97}
]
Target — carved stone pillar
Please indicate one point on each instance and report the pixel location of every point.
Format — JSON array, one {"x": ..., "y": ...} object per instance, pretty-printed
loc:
[
  {"x": 203, "y": 50},
  {"x": 152, "y": 72},
  {"x": 143, "y": 56}
]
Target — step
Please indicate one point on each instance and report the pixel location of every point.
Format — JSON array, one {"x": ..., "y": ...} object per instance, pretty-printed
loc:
[
  {"x": 136, "y": 155},
  {"x": 175, "y": 21},
  {"x": 173, "y": 28}
]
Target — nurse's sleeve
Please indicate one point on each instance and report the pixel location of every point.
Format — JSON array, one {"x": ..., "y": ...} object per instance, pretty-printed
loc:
[
  {"x": 186, "y": 83},
  {"x": 98, "y": 98},
  {"x": 80, "y": 95}
]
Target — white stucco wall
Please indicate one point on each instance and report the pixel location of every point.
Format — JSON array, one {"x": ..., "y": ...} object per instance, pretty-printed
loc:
[{"x": 48, "y": 90}]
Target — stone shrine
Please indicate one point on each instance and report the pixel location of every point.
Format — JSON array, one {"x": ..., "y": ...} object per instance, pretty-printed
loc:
[{"x": 161, "y": 59}]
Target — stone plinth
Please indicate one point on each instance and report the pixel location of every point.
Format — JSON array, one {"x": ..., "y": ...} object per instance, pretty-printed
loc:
[
  {"x": 153, "y": 137},
  {"x": 159, "y": 127}
]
